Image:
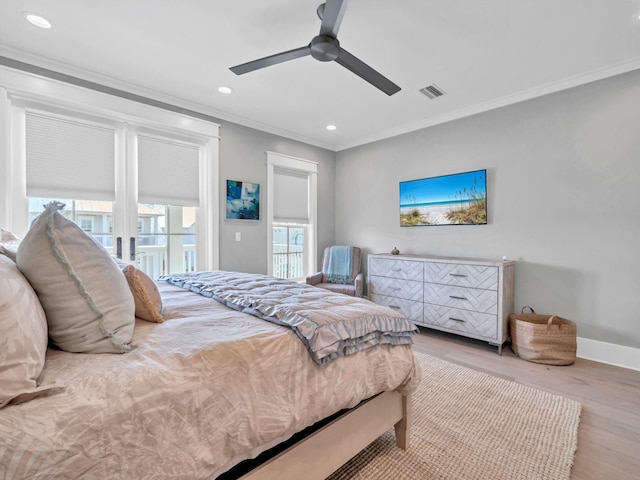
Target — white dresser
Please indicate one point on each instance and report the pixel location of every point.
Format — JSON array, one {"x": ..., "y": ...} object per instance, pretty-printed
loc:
[{"x": 466, "y": 296}]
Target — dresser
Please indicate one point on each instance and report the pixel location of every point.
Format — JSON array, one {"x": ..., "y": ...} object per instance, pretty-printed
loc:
[{"x": 465, "y": 296}]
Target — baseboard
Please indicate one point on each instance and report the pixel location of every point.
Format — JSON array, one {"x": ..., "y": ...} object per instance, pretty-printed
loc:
[{"x": 610, "y": 353}]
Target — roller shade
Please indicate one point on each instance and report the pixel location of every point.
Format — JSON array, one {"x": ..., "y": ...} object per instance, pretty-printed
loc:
[
  {"x": 168, "y": 172},
  {"x": 290, "y": 196},
  {"x": 69, "y": 158}
]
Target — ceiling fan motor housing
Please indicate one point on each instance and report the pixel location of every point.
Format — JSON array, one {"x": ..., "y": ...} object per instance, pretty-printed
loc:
[{"x": 324, "y": 48}]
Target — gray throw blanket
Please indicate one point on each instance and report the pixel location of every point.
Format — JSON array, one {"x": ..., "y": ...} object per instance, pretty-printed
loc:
[{"x": 329, "y": 324}]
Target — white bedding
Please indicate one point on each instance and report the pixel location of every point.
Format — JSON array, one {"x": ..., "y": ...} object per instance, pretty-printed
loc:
[{"x": 204, "y": 390}]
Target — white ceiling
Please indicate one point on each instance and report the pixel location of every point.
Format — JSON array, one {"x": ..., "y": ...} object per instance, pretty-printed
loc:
[{"x": 483, "y": 53}]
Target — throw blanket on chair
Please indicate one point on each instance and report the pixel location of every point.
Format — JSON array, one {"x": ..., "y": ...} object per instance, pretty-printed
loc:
[{"x": 340, "y": 265}]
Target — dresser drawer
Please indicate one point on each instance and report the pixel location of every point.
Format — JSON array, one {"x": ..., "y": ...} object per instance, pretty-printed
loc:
[
  {"x": 475, "y": 276},
  {"x": 402, "y": 269},
  {"x": 409, "y": 308},
  {"x": 391, "y": 287},
  {"x": 473, "y": 324},
  {"x": 475, "y": 299}
]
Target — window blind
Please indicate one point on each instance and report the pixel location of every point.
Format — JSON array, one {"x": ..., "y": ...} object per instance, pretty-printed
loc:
[
  {"x": 168, "y": 172},
  {"x": 290, "y": 196},
  {"x": 69, "y": 158}
]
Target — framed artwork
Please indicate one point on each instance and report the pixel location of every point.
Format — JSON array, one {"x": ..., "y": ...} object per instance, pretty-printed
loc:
[
  {"x": 458, "y": 199},
  {"x": 243, "y": 200}
]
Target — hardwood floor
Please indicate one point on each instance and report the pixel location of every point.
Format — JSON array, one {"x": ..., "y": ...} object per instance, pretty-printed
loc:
[{"x": 609, "y": 432}]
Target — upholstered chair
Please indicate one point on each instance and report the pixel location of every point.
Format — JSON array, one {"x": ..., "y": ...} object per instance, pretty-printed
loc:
[{"x": 354, "y": 288}]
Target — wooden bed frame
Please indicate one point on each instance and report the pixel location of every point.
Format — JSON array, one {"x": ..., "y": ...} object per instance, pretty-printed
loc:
[{"x": 327, "y": 449}]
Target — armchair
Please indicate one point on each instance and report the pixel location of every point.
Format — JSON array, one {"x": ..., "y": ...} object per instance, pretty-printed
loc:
[{"x": 354, "y": 288}]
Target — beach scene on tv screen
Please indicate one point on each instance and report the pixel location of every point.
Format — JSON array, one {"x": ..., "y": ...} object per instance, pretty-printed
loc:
[{"x": 458, "y": 199}]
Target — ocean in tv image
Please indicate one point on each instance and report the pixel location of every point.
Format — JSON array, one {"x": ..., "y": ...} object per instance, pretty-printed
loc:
[{"x": 458, "y": 199}]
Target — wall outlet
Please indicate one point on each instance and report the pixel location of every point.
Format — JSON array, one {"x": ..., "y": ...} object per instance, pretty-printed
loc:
[{"x": 238, "y": 236}]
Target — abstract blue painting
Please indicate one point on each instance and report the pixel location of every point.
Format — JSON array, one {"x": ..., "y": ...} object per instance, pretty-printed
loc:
[{"x": 243, "y": 200}]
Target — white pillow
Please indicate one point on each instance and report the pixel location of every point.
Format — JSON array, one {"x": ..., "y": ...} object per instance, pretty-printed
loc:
[
  {"x": 23, "y": 335},
  {"x": 8, "y": 244},
  {"x": 85, "y": 297}
]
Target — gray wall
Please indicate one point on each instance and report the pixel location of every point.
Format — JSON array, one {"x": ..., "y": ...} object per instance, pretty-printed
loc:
[
  {"x": 563, "y": 198},
  {"x": 243, "y": 157}
]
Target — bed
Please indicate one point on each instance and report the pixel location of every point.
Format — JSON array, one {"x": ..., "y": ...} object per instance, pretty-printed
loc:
[{"x": 205, "y": 389}]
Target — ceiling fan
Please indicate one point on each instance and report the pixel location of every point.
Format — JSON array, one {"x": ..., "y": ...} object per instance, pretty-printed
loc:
[{"x": 325, "y": 47}]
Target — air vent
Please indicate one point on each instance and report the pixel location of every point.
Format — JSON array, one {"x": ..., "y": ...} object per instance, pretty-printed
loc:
[{"x": 432, "y": 91}]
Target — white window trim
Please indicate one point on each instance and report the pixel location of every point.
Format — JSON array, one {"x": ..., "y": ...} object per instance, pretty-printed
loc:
[
  {"x": 278, "y": 160},
  {"x": 19, "y": 90}
]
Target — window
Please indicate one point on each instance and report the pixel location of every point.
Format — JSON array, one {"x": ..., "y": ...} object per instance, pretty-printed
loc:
[
  {"x": 168, "y": 196},
  {"x": 83, "y": 148},
  {"x": 167, "y": 242},
  {"x": 94, "y": 217},
  {"x": 57, "y": 147},
  {"x": 291, "y": 216},
  {"x": 288, "y": 251},
  {"x": 86, "y": 224}
]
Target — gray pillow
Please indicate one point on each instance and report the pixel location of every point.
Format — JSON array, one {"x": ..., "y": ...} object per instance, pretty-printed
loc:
[{"x": 85, "y": 297}]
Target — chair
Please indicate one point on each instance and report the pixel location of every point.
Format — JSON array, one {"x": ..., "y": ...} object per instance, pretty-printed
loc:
[{"x": 353, "y": 288}]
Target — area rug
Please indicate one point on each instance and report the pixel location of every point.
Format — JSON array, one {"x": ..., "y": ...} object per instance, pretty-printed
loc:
[{"x": 470, "y": 425}]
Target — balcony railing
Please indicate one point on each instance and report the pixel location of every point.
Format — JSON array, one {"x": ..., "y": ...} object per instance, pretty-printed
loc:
[
  {"x": 288, "y": 264},
  {"x": 153, "y": 259}
]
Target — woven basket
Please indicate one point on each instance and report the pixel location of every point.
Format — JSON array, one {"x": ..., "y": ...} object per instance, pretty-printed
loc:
[{"x": 547, "y": 339}]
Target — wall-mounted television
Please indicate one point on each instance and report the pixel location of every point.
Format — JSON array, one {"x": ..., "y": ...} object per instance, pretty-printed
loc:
[{"x": 457, "y": 199}]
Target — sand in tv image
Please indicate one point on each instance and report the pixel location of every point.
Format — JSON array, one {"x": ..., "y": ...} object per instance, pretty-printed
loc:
[
  {"x": 458, "y": 199},
  {"x": 243, "y": 200}
]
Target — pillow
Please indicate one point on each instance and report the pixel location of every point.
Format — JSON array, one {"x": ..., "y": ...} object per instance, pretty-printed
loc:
[
  {"x": 85, "y": 297},
  {"x": 145, "y": 293},
  {"x": 23, "y": 336},
  {"x": 8, "y": 244}
]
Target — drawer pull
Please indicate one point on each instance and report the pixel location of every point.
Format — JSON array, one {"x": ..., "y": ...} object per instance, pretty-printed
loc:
[
  {"x": 395, "y": 307},
  {"x": 396, "y": 269},
  {"x": 458, "y": 275},
  {"x": 457, "y": 319},
  {"x": 456, "y": 297}
]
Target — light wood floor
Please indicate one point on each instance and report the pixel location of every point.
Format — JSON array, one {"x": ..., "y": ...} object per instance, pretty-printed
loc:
[{"x": 609, "y": 432}]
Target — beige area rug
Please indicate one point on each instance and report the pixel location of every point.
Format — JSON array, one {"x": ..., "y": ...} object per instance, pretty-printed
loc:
[{"x": 470, "y": 425}]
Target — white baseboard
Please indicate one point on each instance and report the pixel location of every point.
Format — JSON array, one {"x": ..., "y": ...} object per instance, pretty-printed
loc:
[{"x": 610, "y": 353}]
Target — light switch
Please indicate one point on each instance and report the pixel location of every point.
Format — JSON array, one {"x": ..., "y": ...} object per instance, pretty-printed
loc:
[{"x": 238, "y": 236}]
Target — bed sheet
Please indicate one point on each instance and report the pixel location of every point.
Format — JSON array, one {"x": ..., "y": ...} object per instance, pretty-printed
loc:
[{"x": 204, "y": 390}]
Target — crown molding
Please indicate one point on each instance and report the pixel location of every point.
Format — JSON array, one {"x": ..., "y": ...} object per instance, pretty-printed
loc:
[
  {"x": 504, "y": 101},
  {"x": 44, "y": 67},
  {"x": 18, "y": 59}
]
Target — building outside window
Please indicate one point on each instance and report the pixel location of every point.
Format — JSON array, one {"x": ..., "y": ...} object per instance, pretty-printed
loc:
[
  {"x": 92, "y": 216},
  {"x": 166, "y": 241}
]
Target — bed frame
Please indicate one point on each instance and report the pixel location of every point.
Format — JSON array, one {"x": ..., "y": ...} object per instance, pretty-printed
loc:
[{"x": 330, "y": 447}]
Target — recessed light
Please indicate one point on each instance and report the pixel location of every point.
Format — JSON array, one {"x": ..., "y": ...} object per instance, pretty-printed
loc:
[
  {"x": 225, "y": 90},
  {"x": 331, "y": 128},
  {"x": 37, "y": 20}
]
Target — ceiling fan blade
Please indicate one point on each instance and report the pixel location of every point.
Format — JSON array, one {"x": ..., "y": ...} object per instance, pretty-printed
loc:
[
  {"x": 271, "y": 60},
  {"x": 332, "y": 14},
  {"x": 367, "y": 73}
]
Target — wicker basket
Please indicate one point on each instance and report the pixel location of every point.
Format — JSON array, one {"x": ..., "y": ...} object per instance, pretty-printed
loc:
[{"x": 544, "y": 339}]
